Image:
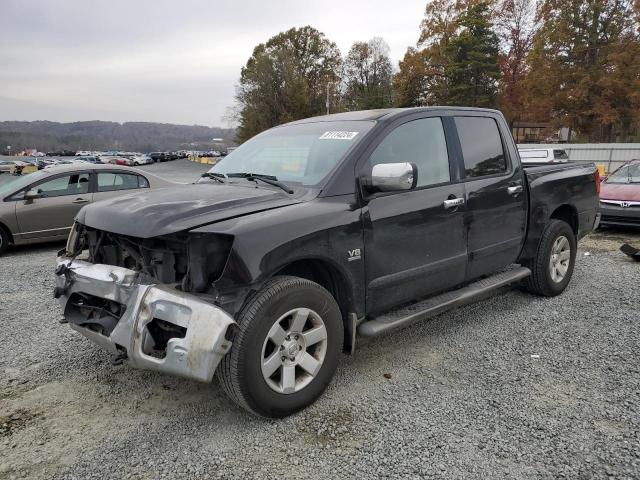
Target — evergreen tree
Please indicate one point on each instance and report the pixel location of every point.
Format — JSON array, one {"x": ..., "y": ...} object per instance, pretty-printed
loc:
[
  {"x": 472, "y": 70},
  {"x": 455, "y": 61}
]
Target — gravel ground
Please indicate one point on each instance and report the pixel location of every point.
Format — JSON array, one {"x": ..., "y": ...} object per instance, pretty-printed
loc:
[{"x": 514, "y": 387}]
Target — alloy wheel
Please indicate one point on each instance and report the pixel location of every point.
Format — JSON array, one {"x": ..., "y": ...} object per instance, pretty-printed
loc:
[
  {"x": 294, "y": 350},
  {"x": 560, "y": 258}
]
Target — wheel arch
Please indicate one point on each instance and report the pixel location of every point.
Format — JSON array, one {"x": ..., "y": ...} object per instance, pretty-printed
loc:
[
  {"x": 568, "y": 214},
  {"x": 330, "y": 277}
]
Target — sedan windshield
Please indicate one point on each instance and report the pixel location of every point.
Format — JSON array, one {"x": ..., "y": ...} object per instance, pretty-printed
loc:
[
  {"x": 626, "y": 174},
  {"x": 305, "y": 153}
]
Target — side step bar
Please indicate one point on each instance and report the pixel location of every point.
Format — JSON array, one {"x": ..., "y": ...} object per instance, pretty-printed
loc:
[{"x": 433, "y": 306}]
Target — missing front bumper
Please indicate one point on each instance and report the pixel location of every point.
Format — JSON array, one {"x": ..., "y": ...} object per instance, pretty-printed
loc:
[{"x": 158, "y": 327}]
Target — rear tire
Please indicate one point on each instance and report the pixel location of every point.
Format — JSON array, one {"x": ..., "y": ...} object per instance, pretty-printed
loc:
[
  {"x": 552, "y": 267},
  {"x": 285, "y": 348}
]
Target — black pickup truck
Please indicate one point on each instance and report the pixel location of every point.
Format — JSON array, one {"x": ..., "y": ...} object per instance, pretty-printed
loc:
[{"x": 312, "y": 234}]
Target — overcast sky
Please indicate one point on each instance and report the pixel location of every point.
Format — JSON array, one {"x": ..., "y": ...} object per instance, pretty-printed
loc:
[{"x": 173, "y": 61}]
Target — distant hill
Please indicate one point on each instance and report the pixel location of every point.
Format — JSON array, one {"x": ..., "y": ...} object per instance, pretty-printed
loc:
[{"x": 98, "y": 135}]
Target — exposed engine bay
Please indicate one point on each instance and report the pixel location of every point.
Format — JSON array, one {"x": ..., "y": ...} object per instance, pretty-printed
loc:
[
  {"x": 192, "y": 262},
  {"x": 142, "y": 299}
]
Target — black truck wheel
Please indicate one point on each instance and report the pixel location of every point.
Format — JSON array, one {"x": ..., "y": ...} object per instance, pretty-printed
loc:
[
  {"x": 552, "y": 267},
  {"x": 285, "y": 348}
]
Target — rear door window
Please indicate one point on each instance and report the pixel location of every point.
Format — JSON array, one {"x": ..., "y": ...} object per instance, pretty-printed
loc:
[
  {"x": 481, "y": 146},
  {"x": 112, "y": 181}
]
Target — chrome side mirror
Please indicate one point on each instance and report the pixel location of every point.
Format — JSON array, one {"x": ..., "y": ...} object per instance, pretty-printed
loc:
[{"x": 391, "y": 177}]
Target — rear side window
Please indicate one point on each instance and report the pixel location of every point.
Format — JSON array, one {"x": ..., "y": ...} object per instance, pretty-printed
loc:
[
  {"x": 481, "y": 146},
  {"x": 421, "y": 142},
  {"x": 110, "y": 182},
  {"x": 560, "y": 155},
  {"x": 142, "y": 182}
]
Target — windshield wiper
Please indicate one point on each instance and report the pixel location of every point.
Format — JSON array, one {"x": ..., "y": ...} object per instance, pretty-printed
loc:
[
  {"x": 218, "y": 177},
  {"x": 253, "y": 177}
]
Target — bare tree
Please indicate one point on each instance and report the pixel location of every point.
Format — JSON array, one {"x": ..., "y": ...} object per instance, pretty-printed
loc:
[{"x": 368, "y": 75}]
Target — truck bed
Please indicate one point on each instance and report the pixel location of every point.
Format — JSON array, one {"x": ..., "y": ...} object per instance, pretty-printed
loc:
[{"x": 567, "y": 189}]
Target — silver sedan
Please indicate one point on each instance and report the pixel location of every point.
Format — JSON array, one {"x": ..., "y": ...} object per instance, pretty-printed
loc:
[{"x": 41, "y": 206}]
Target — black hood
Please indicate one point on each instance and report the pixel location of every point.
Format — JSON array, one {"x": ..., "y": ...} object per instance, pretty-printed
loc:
[{"x": 168, "y": 210}]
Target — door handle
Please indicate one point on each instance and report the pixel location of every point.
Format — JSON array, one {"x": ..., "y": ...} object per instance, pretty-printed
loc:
[
  {"x": 80, "y": 200},
  {"x": 453, "y": 203},
  {"x": 515, "y": 190}
]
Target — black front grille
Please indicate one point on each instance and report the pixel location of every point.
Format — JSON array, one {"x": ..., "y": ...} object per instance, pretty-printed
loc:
[{"x": 620, "y": 219}]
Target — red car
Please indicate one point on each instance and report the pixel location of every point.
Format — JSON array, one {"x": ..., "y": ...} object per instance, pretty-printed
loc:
[
  {"x": 119, "y": 161},
  {"x": 620, "y": 196}
]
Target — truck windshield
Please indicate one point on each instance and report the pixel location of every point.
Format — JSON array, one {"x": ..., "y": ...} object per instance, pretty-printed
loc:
[
  {"x": 626, "y": 174},
  {"x": 305, "y": 153}
]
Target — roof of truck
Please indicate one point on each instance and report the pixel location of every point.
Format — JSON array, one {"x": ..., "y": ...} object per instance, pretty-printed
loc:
[{"x": 383, "y": 113}]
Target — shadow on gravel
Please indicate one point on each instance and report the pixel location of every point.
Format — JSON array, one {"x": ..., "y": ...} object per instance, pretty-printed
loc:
[{"x": 53, "y": 247}]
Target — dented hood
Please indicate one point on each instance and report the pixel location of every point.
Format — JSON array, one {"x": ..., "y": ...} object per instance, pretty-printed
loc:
[{"x": 168, "y": 210}]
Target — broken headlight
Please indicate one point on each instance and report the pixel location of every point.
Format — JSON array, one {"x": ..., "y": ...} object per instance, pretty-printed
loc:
[{"x": 75, "y": 242}]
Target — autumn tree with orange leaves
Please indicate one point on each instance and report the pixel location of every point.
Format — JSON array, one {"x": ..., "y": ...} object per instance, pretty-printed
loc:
[
  {"x": 570, "y": 63},
  {"x": 573, "y": 63},
  {"x": 585, "y": 67},
  {"x": 516, "y": 24}
]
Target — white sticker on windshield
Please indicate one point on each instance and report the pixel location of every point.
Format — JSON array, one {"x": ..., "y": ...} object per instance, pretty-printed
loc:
[{"x": 338, "y": 135}]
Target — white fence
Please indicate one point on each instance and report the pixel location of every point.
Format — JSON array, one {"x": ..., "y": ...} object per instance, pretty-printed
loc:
[{"x": 611, "y": 155}]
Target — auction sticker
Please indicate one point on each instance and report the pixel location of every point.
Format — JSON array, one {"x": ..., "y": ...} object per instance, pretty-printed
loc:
[{"x": 338, "y": 135}]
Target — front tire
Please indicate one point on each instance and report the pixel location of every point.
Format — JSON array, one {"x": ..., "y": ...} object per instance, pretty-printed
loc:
[
  {"x": 285, "y": 349},
  {"x": 552, "y": 267},
  {"x": 4, "y": 240}
]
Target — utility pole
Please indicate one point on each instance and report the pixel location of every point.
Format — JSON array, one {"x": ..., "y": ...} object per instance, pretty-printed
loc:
[{"x": 328, "y": 103}]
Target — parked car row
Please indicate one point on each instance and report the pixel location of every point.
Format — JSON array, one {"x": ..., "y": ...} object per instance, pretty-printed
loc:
[
  {"x": 128, "y": 160},
  {"x": 50, "y": 162},
  {"x": 137, "y": 157},
  {"x": 166, "y": 156}
]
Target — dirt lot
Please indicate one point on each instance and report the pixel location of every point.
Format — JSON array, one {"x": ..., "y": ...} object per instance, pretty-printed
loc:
[{"x": 514, "y": 387}]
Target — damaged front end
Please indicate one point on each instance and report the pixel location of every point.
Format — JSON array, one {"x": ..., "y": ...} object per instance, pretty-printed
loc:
[{"x": 138, "y": 301}]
